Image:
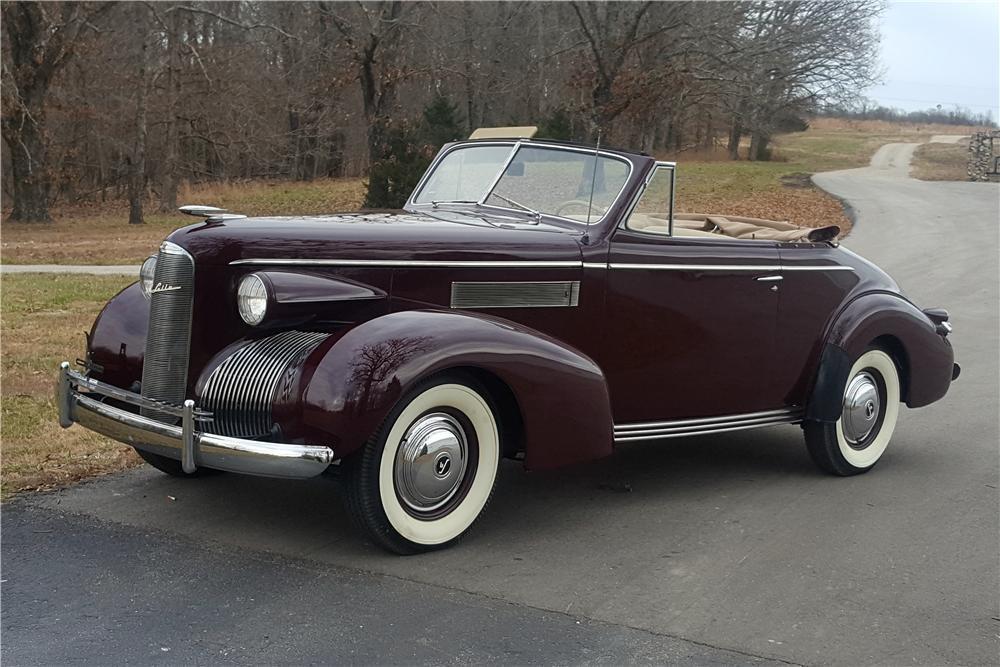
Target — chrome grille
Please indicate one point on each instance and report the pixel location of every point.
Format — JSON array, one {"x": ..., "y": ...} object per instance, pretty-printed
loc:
[
  {"x": 241, "y": 389},
  {"x": 168, "y": 339}
]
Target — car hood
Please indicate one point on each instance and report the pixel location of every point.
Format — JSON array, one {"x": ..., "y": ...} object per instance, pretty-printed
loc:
[{"x": 437, "y": 236}]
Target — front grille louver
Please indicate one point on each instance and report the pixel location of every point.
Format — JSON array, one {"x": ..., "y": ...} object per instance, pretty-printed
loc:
[
  {"x": 168, "y": 338},
  {"x": 241, "y": 389}
]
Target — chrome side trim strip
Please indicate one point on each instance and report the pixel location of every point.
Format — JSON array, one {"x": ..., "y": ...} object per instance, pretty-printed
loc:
[
  {"x": 701, "y": 420},
  {"x": 696, "y": 267},
  {"x": 524, "y": 264},
  {"x": 687, "y": 427},
  {"x": 410, "y": 263},
  {"x": 538, "y": 294},
  {"x": 727, "y": 267}
]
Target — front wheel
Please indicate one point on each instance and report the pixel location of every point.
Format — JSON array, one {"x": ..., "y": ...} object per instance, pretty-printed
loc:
[
  {"x": 855, "y": 442},
  {"x": 429, "y": 471}
]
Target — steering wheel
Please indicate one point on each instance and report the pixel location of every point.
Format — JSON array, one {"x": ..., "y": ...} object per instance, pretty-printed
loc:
[{"x": 579, "y": 202}]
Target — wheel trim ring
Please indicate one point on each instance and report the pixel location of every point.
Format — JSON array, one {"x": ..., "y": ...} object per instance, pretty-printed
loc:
[
  {"x": 863, "y": 408},
  {"x": 432, "y": 463}
]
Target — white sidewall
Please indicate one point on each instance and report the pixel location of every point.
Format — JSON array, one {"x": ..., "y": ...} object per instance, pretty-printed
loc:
[
  {"x": 450, "y": 526},
  {"x": 881, "y": 362}
]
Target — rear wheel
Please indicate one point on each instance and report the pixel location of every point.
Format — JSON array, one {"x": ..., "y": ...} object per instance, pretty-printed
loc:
[
  {"x": 428, "y": 473},
  {"x": 173, "y": 467},
  {"x": 855, "y": 442}
]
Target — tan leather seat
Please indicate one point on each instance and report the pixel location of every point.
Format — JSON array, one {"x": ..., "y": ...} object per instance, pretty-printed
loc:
[{"x": 737, "y": 227}]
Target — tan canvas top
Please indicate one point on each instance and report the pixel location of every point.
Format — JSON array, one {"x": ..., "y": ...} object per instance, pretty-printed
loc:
[{"x": 517, "y": 132}]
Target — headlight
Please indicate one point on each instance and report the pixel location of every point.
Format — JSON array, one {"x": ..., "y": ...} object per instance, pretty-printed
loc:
[
  {"x": 251, "y": 297},
  {"x": 146, "y": 274}
]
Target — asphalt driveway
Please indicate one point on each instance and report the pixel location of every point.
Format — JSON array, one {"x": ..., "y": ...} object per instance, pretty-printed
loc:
[{"x": 724, "y": 549}]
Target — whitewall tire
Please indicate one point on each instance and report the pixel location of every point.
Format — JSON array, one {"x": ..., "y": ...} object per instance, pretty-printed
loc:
[
  {"x": 856, "y": 441},
  {"x": 429, "y": 472}
]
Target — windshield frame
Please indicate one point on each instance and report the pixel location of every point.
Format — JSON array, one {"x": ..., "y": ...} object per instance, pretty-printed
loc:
[{"x": 516, "y": 145}]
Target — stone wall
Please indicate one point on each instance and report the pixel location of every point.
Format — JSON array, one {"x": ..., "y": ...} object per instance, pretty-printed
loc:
[{"x": 984, "y": 156}]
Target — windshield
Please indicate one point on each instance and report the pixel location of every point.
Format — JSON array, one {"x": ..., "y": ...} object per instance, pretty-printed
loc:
[
  {"x": 463, "y": 174},
  {"x": 538, "y": 180}
]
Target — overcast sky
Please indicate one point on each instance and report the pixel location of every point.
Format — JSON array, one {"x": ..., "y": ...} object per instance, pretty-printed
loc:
[{"x": 943, "y": 53}]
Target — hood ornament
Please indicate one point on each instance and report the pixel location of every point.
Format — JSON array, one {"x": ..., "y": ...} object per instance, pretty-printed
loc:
[{"x": 210, "y": 213}]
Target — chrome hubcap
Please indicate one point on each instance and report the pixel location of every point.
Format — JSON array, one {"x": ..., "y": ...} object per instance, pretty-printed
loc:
[
  {"x": 431, "y": 462},
  {"x": 862, "y": 406}
]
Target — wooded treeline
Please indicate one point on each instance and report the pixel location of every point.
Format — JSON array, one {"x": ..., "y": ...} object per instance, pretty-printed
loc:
[
  {"x": 128, "y": 100},
  {"x": 957, "y": 115}
]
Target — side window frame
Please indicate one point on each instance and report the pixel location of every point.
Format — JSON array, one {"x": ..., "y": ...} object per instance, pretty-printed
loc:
[{"x": 661, "y": 165}]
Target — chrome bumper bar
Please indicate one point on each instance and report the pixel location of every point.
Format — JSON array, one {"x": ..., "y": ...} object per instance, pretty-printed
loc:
[{"x": 183, "y": 443}]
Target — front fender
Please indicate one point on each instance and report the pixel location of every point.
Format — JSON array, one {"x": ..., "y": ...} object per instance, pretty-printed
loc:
[
  {"x": 925, "y": 357},
  {"x": 117, "y": 340},
  {"x": 561, "y": 393}
]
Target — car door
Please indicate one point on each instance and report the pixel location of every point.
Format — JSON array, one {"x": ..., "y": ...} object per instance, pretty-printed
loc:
[{"x": 690, "y": 320}]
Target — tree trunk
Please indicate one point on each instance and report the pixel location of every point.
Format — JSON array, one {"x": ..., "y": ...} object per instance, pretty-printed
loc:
[
  {"x": 137, "y": 172},
  {"x": 27, "y": 152},
  {"x": 735, "y": 135},
  {"x": 168, "y": 183},
  {"x": 759, "y": 141}
]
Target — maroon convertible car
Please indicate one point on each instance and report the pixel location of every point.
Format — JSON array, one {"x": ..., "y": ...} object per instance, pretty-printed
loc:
[{"x": 536, "y": 300}]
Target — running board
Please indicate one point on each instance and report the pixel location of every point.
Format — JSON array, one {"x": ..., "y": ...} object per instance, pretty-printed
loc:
[{"x": 701, "y": 426}]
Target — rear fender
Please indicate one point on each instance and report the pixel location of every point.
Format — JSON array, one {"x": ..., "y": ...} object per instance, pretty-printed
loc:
[
  {"x": 354, "y": 380},
  {"x": 925, "y": 358}
]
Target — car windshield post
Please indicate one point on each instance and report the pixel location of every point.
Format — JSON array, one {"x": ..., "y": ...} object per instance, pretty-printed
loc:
[
  {"x": 673, "y": 190},
  {"x": 500, "y": 173}
]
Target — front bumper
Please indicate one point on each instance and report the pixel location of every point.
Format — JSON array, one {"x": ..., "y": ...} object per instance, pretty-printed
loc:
[{"x": 81, "y": 400}]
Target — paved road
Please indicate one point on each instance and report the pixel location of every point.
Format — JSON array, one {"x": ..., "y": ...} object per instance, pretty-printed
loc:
[{"x": 732, "y": 542}]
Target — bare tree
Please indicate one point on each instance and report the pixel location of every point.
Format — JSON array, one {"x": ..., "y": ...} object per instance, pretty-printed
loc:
[
  {"x": 613, "y": 31},
  {"x": 40, "y": 41},
  {"x": 372, "y": 34},
  {"x": 253, "y": 89},
  {"x": 790, "y": 57},
  {"x": 137, "y": 160}
]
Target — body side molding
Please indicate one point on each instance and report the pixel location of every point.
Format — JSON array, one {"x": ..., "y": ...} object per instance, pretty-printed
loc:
[{"x": 687, "y": 427}]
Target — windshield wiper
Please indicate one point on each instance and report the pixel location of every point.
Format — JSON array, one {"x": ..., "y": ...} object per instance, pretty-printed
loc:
[
  {"x": 435, "y": 203},
  {"x": 535, "y": 214},
  {"x": 461, "y": 212}
]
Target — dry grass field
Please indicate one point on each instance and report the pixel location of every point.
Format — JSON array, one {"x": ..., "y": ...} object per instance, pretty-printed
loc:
[
  {"x": 100, "y": 234},
  {"x": 941, "y": 162},
  {"x": 42, "y": 320},
  {"x": 43, "y": 317}
]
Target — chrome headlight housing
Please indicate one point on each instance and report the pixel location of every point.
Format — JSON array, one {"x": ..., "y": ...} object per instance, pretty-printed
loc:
[
  {"x": 252, "y": 299},
  {"x": 146, "y": 274}
]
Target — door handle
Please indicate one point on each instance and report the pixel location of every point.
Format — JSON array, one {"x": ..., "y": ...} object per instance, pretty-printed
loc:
[{"x": 769, "y": 279}]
